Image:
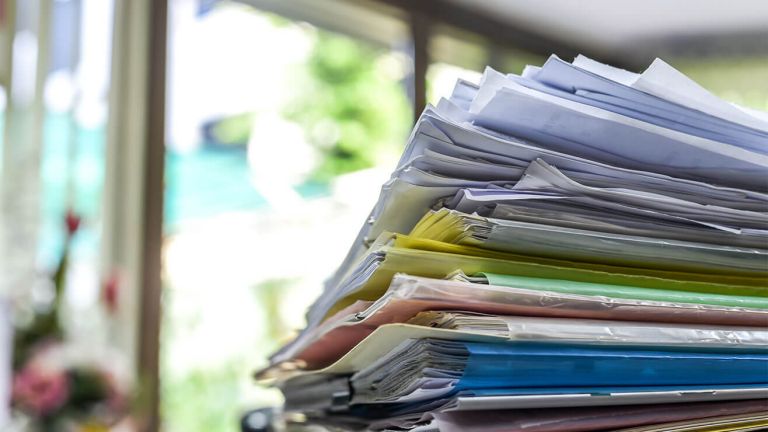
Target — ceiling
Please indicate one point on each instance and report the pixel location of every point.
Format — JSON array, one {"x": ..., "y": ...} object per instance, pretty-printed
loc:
[
  {"x": 610, "y": 25},
  {"x": 625, "y": 33}
]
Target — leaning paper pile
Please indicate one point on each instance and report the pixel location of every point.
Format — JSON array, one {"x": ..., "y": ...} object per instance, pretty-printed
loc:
[{"x": 576, "y": 248}]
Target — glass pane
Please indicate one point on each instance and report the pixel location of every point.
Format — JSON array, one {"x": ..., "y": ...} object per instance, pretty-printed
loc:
[{"x": 278, "y": 131}]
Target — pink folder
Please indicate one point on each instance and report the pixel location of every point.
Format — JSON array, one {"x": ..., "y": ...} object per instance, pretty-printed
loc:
[{"x": 409, "y": 295}]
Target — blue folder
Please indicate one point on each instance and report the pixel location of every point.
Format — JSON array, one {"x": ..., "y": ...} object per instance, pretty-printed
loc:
[{"x": 541, "y": 365}]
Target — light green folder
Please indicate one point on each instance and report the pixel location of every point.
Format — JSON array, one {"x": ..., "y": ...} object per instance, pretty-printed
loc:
[
  {"x": 603, "y": 273},
  {"x": 625, "y": 292}
]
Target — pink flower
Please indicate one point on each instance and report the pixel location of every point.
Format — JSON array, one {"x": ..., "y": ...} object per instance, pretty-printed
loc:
[
  {"x": 110, "y": 293},
  {"x": 39, "y": 391},
  {"x": 116, "y": 399},
  {"x": 73, "y": 222}
]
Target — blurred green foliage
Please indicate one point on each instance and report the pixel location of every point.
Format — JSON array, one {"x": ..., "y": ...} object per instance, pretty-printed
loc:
[
  {"x": 203, "y": 400},
  {"x": 270, "y": 294},
  {"x": 351, "y": 111},
  {"x": 233, "y": 130},
  {"x": 741, "y": 80},
  {"x": 213, "y": 398}
]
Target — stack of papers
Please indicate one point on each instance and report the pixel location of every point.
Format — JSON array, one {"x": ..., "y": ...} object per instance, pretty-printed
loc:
[{"x": 570, "y": 249}]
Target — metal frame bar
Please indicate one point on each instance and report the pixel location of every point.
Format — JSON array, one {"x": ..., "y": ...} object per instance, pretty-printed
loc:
[
  {"x": 134, "y": 190},
  {"x": 420, "y": 35},
  {"x": 152, "y": 232}
]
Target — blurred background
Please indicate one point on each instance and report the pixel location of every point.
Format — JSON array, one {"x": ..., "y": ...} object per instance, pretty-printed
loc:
[{"x": 178, "y": 178}]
